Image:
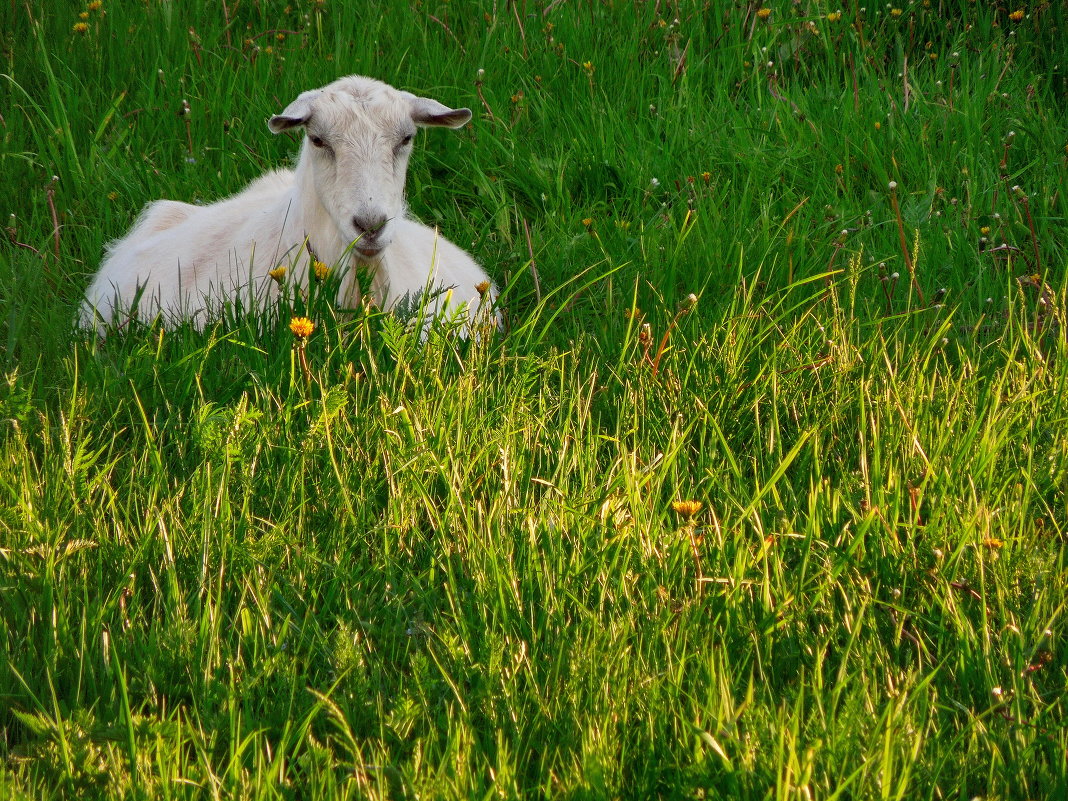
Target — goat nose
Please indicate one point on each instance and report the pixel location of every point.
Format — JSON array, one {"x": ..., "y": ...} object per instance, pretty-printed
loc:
[{"x": 368, "y": 226}]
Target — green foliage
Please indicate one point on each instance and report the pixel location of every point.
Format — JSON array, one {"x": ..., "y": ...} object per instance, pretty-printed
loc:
[{"x": 238, "y": 564}]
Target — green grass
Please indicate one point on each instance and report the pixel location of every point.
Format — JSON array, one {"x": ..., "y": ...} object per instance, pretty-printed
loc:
[{"x": 454, "y": 570}]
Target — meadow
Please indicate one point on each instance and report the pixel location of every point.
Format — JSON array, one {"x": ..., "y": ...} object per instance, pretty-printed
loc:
[{"x": 760, "y": 493}]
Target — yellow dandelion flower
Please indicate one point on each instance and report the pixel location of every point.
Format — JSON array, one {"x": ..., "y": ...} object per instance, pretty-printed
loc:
[
  {"x": 878, "y": 125},
  {"x": 301, "y": 327},
  {"x": 687, "y": 508},
  {"x": 588, "y": 66},
  {"x": 985, "y": 230},
  {"x": 1017, "y": 15},
  {"x": 94, "y": 5},
  {"x": 993, "y": 543},
  {"x": 278, "y": 273},
  {"x": 834, "y": 16},
  {"x": 764, "y": 13},
  {"x": 482, "y": 287},
  {"x": 80, "y": 27},
  {"x": 587, "y": 222},
  {"x": 83, "y": 15},
  {"x": 322, "y": 272},
  {"x": 706, "y": 176},
  {"x": 896, "y": 12}
]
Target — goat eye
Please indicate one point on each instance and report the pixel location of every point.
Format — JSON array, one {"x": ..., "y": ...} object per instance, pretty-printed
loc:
[
  {"x": 316, "y": 140},
  {"x": 405, "y": 141}
]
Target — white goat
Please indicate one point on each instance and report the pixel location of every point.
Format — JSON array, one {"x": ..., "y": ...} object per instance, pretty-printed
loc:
[{"x": 342, "y": 205}]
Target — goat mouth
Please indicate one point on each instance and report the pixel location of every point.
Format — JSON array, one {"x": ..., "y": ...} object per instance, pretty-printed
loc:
[{"x": 369, "y": 251}]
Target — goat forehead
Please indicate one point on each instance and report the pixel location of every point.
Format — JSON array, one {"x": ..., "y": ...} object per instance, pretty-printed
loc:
[
  {"x": 359, "y": 117},
  {"x": 361, "y": 86}
]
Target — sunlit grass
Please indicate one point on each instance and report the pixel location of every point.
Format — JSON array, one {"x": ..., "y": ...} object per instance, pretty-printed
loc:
[{"x": 760, "y": 494}]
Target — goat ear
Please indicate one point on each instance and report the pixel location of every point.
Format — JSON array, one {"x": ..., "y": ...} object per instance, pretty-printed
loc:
[
  {"x": 429, "y": 113},
  {"x": 295, "y": 114}
]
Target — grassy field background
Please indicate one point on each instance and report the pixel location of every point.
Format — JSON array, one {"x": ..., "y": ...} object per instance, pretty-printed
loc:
[{"x": 799, "y": 536}]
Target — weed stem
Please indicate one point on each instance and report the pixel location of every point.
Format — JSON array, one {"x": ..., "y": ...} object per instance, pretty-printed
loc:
[{"x": 904, "y": 244}]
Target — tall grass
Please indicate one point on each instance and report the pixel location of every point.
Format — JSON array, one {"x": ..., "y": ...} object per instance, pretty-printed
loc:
[{"x": 761, "y": 494}]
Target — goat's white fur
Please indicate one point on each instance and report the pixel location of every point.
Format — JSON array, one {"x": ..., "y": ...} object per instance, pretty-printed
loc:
[{"x": 342, "y": 205}]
